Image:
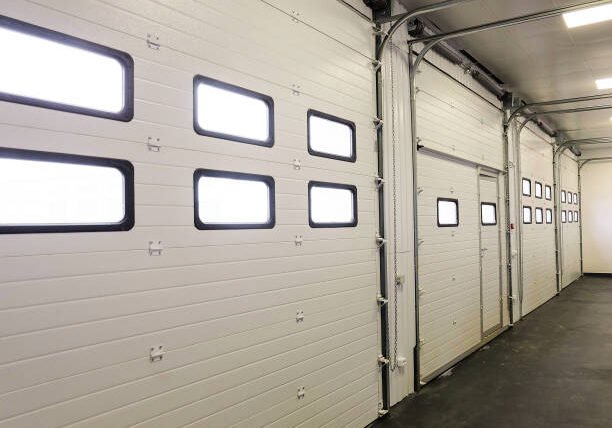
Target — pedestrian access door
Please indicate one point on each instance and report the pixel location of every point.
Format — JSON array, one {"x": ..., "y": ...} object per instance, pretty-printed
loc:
[
  {"x": 459, "y": 260},
  {"x": 490, "y": 254}
]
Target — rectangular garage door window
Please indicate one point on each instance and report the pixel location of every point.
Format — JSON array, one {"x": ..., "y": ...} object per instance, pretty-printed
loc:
[
  {"x": 233, "y": 200},
  {"x": 48, "y": 69},
  {"x": 570, "y": 217},
  {"x": 562, "y": 195},
  {"x": 230, "y": 112},
  {"x": 569, "y": 197},
  {"x": 488, "y": 214},
  {"x": 331, "y": 137},
  {"x": 526, "y": 187},
  {"x": 576, "y": 216},
  {"x": 548, "y": 192},
  {"x": 527, "y": 215},
  {"x": 548, "y": 215},
  {"x": 42, "y": 192},
  {"x": 539, "y": 216},
  {"x": 448, "y": 212},
  {"x": 575, "y": 199},
  {"x": 538, "y": 190},
  {"x": 563, "y": 216},
  {"x": 332, "y": 204}
]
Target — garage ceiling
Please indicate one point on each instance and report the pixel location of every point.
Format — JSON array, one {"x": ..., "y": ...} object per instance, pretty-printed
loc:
[{"x": 541, "y": 60}]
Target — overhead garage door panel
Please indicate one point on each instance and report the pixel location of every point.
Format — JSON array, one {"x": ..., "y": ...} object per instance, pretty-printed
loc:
[{"x": 538, "y": 239}]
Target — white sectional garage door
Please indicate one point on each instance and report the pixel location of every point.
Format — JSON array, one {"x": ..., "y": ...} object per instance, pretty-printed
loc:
[
  {"x": 257, "y": 327},
  {"x": 538, "y": 245},
  {"x": 458, "y": 303},
  {"x": 571, "y": 231}
]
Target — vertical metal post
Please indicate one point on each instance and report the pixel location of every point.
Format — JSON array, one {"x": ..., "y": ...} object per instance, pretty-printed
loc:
[
  {"x": 414, "y": 143},
  {"x": 580, "y": 217},
  {"x": 516, "y": 132},
  {"x": 506, "y": 149},
  {"x": 382, "y": 252}
]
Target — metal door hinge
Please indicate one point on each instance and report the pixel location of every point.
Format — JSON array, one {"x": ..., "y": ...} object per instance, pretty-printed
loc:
[
  {"x": 378, "y": 122},
  {"x": 301, "y": 393},
  {"x": 299, "y": 239},
  {"x": 153, "y": 144},
  {"x": 156, "y": 353},
  {"x": 380, "y": 241},
  {"x": 379, "y": 181},
  {"x": 297, "y": 165},
  {"x": 299, "y": 316},
  {"x": 381, "y": 300},
  {"x": 382, "y": 360},
  {"x": 153, "y": 42},
  {"x": 155, "y": 248}
]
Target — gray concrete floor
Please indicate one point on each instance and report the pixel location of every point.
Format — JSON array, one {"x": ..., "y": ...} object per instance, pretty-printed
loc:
[{"x": 553, "y": 369}]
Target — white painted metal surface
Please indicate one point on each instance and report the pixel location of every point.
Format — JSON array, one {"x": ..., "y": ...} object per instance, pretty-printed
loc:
[
  {"x": 596, "y": 201},
  {"x": 490, "y": 256},
  {"x": 538, "y": 240},
  {"x": 571, "y": 232},
  {"x": 80, "y": 316},
  {"x": 449, "y": 266}
]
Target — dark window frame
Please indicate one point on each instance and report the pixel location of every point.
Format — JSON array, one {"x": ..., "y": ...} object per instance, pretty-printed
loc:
[
  {"x": 125, "y": 167},
  {"x": 456, "y": 201},
  {"x": 523, "y": 187},
  {"x": 530, "y": 215},
  {"x": 351, "y": 125},
  {"x": 125, "y": 115},
  {"x": 198, "y": 78},
  {"x": 570, "y": 198},
  {"x": 494, "y": 205},
  {"x": 549, "y": 188},
  {"x": 563, "y": 220},
  {"x": 575, "y": 198},
  {"x": 536, "y": 215},
  {"x": 535, "y": 192},
  {"x": 563, "y": 197},
  {"x": 205, "y": 172},
  {"x": 548, "y": 210},
  {"x": 575, "y": 216},
  {"x": 329, "y": 185}
]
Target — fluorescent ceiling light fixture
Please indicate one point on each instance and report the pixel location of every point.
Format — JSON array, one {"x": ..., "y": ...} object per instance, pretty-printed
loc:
[
  {"x": 588, "y": 16},
  {"x": 604, "y": 83}
]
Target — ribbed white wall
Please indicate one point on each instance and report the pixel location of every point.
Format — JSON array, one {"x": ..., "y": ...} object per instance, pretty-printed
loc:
[
  {"x": 538, "y": 245},
  {"x": 570, "y": 237},
  {"x": 80, "y": 312},
  {"x": 596, "y": 202}
]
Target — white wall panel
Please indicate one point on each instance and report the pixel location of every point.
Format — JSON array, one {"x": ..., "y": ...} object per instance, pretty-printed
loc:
[
  {"x": 223, "y": 304},
  {"x": 596, "y": 202},
  {"x": 538, "y": 240}
]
